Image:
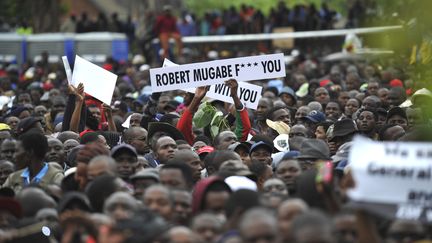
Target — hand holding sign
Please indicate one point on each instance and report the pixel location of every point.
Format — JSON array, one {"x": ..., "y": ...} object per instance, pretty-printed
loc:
[
  {"x": 77, "y": 91},
  {"x": 233, "y": 85},
  {"x": 201, "y": 92}
]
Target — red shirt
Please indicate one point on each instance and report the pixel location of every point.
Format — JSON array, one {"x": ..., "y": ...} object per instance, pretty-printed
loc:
[{"x": 166, "y": 24}]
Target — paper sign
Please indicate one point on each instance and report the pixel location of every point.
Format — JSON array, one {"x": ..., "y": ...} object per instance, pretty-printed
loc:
[
  {"x": 216, "y": 72},
  {"x": 392, "y": 178},
  {"x": 97, "y": 81},
  {"x": 67, "y": 69},
  {"x": 249, "y": 94}
]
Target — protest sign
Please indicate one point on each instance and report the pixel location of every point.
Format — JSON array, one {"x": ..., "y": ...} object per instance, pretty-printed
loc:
[
  {"x": 216, "y": 72},
  {"x": 67, "y": 69},
  {"x": 97, "y": 81},
  {"x": 392, "y": 178},
  {"x": 249, "y": 94}
]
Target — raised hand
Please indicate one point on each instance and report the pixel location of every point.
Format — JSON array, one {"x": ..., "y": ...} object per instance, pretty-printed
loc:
[
  {"x": 77, "y": 91},
  {"x": 201, "y": 92},
  {"x": 233, "y": 85}
]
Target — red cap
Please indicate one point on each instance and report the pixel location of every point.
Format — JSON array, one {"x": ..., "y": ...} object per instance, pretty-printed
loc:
[
  {"x": 324, "y": 82},
  {"x": 205, "y": 149},
  {"x": 396, "y": 83}
]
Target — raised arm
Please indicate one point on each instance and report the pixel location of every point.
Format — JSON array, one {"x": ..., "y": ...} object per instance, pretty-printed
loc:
[
  {"x": 243, "y": 125},
  {"x": 108, "y": 114},
  {"x": 184, "y": 125},
  {"x": 79, "y": 100}
]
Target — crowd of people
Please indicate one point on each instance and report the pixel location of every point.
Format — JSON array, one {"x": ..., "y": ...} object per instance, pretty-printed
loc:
[
  {"x": 149, "y": 167},
  {"x": 140, "y": 170}
]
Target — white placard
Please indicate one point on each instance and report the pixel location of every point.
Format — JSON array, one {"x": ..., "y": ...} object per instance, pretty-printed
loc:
[
  {"x": 97, "y": 81},
  {"x": 216, "y": 72},
  {"x": 249, "y": 94},
  {"x": 67, "y": 69},
  {"x": 398, "y": 173}
]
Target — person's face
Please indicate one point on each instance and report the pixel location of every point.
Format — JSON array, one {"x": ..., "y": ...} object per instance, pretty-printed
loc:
[
  {"x": 414, "y": 117},
  {"x": 322, "y": 95},
  {"x": 12, "y": 122},
  {"x": 286, "y": 214},
  {"x": 262, "y": 154},
  {"x": 393, "y": 99},
  {"x": 288, "y": 171},
  {"x": 5, "y": 170},
  {"x": 287, "y": 99},
  {"x": 398, "y": 120},
  {"x": 140, "y": 185},
  {"x": 195, "y": 163},
  {"x": 139, "y": 141},
  {"x": 366, "y": 121},
  {"x": 276, "y": 186},
  {"x": 24, "y": 99},
  {"x": 135, "y": 120},
  {"x": 24, "y": 114},
  {"x": 351, "y": 107},
  {"x": 21, "y": 155},
  {"x": 125, "y": 164},
  {"x": 282, "y": 115},
  {"x": 120, "y": 211},
  {"x": 320, "y": 133},
  {"x": 59, "y": 106},
  {"x": 215, "y": 201},
  {"x": 332, "y": 110},
  {"x": 383, "y": 95},
  {"x": 207, "y": 229},
  {"x": 259, "y": 232},
  {"x": 197, "y": 145},
  {"x": 369, "y": 103},
  {"x": 301, "y": 112},
  {"x": 346, "y": 230},
  {"x": 40, "y": 111},
  {"x": 226, "y": 138},
  {"x": 55, "y": 151},
  {"x": 343, "y": 98},
  {"x": 163, "y": 101},
  {"x": 172, "y": 178},
  {"x": 81, "y": 175},
  {"x": 298, "y": 131},
  {"x": 69, "y": 145},
  {"x": 165, "y": 149},
  {"x": 373, "y": 88},
  {"x": 4, "y": 135},
  {"x": 95, "y": 112},
  {"x": 244, "y": 155},
  {"x": 98, "y": 169},
  {"x": 262, "y": 109},
  {"x": 351, "y": 83},
  {"x": 8, "y": 149},
  {"x": 158, "y": 201},
  {"x": 182, "y": 206}
]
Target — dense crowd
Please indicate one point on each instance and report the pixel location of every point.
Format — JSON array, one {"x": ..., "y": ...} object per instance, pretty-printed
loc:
[{"x": 150, "y": 167}]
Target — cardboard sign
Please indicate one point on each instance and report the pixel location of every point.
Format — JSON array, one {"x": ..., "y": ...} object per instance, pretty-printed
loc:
[
  {"x": 67, "y": 69},
  {"x": 216, "y": 72},
  {"x": 97, "y": 81},
  {"x": 392, "y": 178},
  {"x": 249, "y": 94}
]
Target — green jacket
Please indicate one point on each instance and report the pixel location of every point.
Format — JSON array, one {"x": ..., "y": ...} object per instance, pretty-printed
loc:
[{"x": 52, "y": 176}]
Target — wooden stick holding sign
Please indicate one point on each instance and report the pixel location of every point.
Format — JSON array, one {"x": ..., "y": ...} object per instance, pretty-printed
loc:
[{"x": 249, "y": 94}]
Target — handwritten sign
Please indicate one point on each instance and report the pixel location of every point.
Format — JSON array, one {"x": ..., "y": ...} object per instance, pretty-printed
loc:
[
  {"x": 249, "y": 94},
  {"x": 216, "y": 72},
  {"x": 393, "y": 178},
  {"x": 97, "y": 81}
]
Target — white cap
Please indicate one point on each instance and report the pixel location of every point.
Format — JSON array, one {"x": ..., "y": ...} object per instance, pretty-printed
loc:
[{"x": 240, "y": 182}]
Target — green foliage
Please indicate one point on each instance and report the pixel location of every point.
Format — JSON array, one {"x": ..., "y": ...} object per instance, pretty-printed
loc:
[{"x": 202, "y": 6}]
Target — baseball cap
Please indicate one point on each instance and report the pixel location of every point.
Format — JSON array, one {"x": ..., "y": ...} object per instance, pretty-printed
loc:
[{"x": 123, "y": 147}]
